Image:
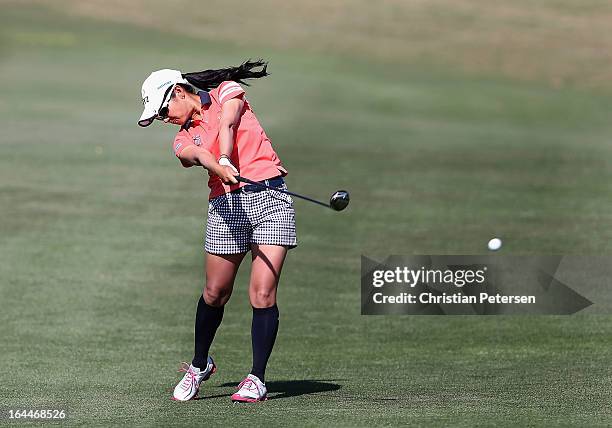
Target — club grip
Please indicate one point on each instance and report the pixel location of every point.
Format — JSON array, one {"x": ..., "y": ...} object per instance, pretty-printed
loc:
[
  {"x": 244, "y": 180},
  {"x": 249, "y": 181}
]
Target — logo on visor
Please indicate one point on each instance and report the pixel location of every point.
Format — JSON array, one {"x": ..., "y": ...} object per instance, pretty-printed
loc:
[{"x": 164, "y": 84}]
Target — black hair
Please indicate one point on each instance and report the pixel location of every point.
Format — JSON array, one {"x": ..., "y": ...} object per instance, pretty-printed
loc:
[{"x": 209, "y": 79}]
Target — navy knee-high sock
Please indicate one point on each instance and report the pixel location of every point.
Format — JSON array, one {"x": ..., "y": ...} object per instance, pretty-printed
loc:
[
  {"x": 263, "y": 335},
  {"x": 208, "y": 319}
]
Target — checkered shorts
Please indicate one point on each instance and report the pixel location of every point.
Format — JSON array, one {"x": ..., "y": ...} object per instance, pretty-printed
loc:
[{"x": 241, "y": 218}]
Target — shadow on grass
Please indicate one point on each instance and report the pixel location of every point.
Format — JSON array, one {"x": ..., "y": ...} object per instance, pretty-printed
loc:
[{"x": 291, "y": 388}]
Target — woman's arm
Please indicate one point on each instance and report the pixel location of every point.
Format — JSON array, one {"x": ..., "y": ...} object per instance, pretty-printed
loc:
[
  {"x": 198, "y": 156},
  {"x": 231, "y": 111}
]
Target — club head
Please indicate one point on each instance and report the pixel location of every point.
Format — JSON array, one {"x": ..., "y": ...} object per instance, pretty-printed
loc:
[{"x": 339, "y": 200}]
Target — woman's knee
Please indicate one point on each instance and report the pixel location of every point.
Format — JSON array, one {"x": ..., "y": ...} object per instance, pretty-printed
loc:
[
  {"x": 215, "y": 295},
  {"x": 262, "y": 297}
]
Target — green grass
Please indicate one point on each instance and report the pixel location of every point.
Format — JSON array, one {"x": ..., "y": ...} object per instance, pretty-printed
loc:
[{"x": 101, "y": 233}]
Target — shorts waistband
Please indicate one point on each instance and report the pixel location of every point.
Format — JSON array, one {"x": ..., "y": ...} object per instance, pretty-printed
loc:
[{"x": 272, "y": 182}]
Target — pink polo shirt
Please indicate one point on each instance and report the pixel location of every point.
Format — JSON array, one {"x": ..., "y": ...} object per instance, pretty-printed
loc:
[{"x": 252, "y": 155}]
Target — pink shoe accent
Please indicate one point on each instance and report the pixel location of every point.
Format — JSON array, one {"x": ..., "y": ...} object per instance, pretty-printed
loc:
[
  {"x": 250, "y": 385},
  {"x": 190, "y": 379},
  {"x": 186, "y": 368},
  {"x": 241, "y": 399}
]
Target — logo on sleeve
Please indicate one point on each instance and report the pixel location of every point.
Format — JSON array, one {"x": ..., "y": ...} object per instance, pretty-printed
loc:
[
  {"x": 177, "y": 146},
  {"x": 197, "y": 140}
]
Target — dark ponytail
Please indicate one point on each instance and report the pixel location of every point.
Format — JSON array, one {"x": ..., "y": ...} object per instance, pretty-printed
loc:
[{"x": 209, "y": 79}]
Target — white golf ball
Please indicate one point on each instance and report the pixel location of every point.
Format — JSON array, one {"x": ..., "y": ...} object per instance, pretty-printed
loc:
[{"x": 494, "y": 244}]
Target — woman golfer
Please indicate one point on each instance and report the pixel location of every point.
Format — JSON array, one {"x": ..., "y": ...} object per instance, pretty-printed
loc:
[{"x": 219, "y": 131}]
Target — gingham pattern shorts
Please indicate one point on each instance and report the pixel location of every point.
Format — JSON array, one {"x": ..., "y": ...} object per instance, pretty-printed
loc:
[{"x": 241, "y": 218}]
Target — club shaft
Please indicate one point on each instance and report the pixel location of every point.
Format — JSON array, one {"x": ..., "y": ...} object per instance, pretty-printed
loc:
[{"x": 257, "y": 183}]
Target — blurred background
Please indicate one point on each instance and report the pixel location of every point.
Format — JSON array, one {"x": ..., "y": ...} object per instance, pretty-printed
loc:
[{"x": 450, "y": 122}]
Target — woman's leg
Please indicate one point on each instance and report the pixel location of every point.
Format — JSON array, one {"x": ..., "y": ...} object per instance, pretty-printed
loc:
[
  {"x": 220, "y": 275},
  {"x": 265, "y": 273}
]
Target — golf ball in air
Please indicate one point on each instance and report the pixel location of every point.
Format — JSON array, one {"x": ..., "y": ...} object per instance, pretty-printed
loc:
[{"x": 495, "y": 244}]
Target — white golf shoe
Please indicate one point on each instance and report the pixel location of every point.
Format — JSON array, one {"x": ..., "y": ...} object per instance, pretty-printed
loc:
[
  {"x": 188, "y": 387},
  {"x": 251, "y": 390}
]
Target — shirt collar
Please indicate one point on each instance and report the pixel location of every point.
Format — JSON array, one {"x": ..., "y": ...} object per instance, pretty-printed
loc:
[
  {"x": 204, "y": 100},
  {"x": 204, "y": 97}
]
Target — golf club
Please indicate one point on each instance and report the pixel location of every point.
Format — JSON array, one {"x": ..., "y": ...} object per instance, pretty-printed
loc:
[{"x": 338, "y": 201}]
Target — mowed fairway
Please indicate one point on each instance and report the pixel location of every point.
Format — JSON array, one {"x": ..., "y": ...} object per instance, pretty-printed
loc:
[{"x": 101, "y": 228}]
